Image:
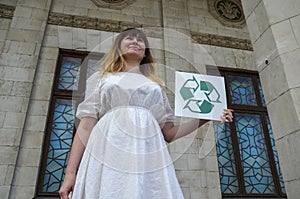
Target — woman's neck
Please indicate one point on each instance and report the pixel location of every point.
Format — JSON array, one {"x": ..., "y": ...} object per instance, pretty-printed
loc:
[{"x": 133, "y": 67}]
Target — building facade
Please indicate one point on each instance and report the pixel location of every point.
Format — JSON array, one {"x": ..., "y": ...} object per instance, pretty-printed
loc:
[{"x": 50, "y": 47}]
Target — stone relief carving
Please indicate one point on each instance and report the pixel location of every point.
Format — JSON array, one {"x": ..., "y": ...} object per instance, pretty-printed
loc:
[
  {"x": 222, "y": 41},
  {"x": 228, "y": 12},
  {"x": 117, "y": 26},
  {"x": 89, "y": 22},
  {"x": 113, "y": 1},
  {"x": 6, "y": 11},
  {"x": 113, "y": 4}
]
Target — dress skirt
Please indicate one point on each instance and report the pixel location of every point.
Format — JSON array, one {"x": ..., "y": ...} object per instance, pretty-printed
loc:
[{"x": 126, "y": 157}]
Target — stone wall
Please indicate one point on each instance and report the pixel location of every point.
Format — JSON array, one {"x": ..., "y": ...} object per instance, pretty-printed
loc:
[
  {"x": 19, "y": 55},
  {"x": 27, "y": 86},
  {"x": 140, "y": 12},
  {"x": 9, "y": 2},
  {"x": 201, "y": 20},
  {"x": 276, "y": 42}
]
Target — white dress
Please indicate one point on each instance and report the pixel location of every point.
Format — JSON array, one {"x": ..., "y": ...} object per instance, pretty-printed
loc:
[{"x": 126, "y": 156}]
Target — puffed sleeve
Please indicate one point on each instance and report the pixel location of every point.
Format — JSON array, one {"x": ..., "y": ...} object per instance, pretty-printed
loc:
[
  {"x": 90, "y": 106},
  {"x": 161, "y": 108},
  {"x": 169, "y": 113}
]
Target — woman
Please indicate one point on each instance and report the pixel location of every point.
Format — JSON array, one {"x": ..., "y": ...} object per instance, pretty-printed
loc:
[{"x": 125, "y": 121}]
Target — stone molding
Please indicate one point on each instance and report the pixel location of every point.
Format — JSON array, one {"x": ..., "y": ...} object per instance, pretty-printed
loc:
[
  {"x": 228, "y": 12},
  {"x": 7, "y": 11},
  {"x": 113, "y": 4},
  {"x": 89, "y": 22},
  {"x": 117, "y": 26},
  {"x": 222, "y": 41}
]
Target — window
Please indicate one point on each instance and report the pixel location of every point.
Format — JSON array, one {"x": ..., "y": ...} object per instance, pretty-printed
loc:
[
  {"x": 72, "y": 70},
  {"x": 247, "y": 157}
]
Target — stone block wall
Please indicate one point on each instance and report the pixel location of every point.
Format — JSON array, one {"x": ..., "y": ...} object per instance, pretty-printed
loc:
[
  {"x": 30, "y": 47},
  {"x": 23, "y": 36},
  {"x": 141, "y": 11},
  {"x": 201, "y": 20},
  {"x": 276, "y": 39}
]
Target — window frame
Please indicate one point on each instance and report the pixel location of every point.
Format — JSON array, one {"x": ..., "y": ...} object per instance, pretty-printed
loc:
[
  {"x": 56, "y": 93},
  {"x": 247, "y": 109}
]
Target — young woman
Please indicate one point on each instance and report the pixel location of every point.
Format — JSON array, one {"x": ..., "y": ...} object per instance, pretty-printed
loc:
[{"x": 126, "y": 121}]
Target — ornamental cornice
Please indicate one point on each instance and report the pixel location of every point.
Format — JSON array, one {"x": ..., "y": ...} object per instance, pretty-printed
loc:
[
  {"x": 117, "y": 26},
  {"x": 89, "y": 22},
  {"x": 222, "y": 41}
]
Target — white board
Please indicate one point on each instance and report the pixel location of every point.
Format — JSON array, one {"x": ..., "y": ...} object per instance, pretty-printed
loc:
[{"x": 199, "y": 96}]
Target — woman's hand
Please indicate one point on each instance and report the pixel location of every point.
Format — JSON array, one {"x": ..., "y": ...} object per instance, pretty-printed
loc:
[
  {"x": 67, "y": 186},
  {"x": 227, "y": 116}
]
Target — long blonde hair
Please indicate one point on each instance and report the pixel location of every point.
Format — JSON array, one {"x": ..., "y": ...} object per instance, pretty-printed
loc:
[{"x": 114, "y": 62}]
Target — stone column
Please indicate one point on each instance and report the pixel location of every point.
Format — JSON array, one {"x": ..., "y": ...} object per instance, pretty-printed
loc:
[
  {"x": 18, "y": 65},
  {"x": 274, "y": 27}
]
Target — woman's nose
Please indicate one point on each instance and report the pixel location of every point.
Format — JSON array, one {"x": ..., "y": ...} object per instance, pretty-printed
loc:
[{"x": 134, "y": 40}]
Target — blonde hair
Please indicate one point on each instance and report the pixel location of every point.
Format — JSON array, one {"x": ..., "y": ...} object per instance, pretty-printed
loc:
[{"x": 114, "y": 61}]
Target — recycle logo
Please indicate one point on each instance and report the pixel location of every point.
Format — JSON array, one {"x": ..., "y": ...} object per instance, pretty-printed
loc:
[{"x": 195, "y": 105}]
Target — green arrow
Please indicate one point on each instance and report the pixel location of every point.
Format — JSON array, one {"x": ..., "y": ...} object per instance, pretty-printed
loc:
[
  {"x": 207, "y": 86},
  {"x": 190, "y": 84},
  {"x": 195, "y": 106}
]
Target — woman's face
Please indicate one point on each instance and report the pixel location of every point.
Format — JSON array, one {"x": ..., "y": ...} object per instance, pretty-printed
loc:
[{"x": 133, "y": 47}]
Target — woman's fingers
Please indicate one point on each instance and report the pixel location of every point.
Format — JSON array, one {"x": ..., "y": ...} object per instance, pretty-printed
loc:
[
  {"x": 63, "y": 194},
  {"x": 227, "y": 116}
]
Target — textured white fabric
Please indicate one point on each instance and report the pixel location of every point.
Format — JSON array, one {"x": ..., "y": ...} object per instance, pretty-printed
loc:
[{"x": 126, "y": 156}]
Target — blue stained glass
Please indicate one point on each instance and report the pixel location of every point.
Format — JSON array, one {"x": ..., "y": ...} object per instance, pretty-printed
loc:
[
  {"x": 258, "y": 177},
  {"x": 69, "y": 73},
  {"x": 226, "y": 162},
  {"x": 275, "y": 156},
  {"x": 242, "y": 90},
  {"x": 60, "y": 145},
  {"x": 263, "y": 102},
  {"x": 93, "y": 66}
]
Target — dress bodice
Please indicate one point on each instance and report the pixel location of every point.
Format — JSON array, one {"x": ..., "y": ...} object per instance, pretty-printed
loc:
[{"x": 111, "y": 91}]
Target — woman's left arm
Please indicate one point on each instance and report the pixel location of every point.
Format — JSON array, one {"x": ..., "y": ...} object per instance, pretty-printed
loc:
[{"x": 172, "y": 132}]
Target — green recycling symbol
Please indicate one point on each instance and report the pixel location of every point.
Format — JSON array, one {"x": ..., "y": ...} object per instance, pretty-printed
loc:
[{"x": 203, "y": 106}]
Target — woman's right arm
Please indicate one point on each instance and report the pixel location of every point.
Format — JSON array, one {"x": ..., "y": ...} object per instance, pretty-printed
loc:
[{"x": 78, "y": 146}]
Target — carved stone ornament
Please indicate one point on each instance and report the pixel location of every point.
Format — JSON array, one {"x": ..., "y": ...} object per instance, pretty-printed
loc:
[
  {"x": 222, "y": 41},
  {"x": 113, "y": 4},
  {"x": 228, "y": 12},
  {"x": 6, "y": 11},
  {"x": 89, "y": 22}
]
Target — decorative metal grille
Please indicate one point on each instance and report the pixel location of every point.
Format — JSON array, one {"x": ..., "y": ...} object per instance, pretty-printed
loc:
[
  {"x": 247, "y": 157},
  {"x": 71, "y": 79},
  {"x": 258, "y": 177},
  {"x": 242, "y": 90},
  {"x": 60, "y": 144},
  {"x": 69, "y": 73},
  {"x": 226, "y": 162}
]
